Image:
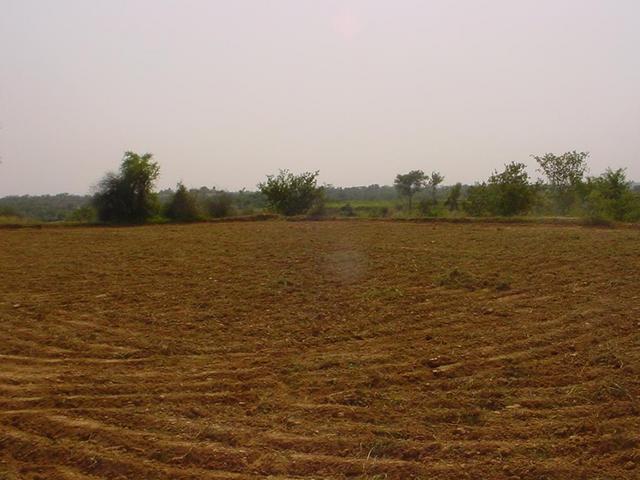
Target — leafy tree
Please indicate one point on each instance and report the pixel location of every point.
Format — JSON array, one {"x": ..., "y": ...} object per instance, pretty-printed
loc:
[
  {"x": 291, "y": 194},
  {"x": 610, "y": 195},
  {"x": 409, "y": 184},
  {"x": 127, "y": 196},
  {"x": 506, "y": 193},
  {"x": 434, "y": 180},
  {"x": 479, "y": 201},
  {"x": 510, "y": 191},
  {"x": 565, "y": 175},
  {"x": 183, "y": 206},
  {"x": 453, "y": 199}
]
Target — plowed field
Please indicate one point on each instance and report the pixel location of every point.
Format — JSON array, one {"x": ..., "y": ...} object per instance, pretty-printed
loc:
[{"x": 322, "y": 350}]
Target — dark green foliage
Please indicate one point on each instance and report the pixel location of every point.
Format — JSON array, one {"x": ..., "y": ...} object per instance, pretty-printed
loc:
[
  {"x": 427, "y": 206},
  {"x": 479, "y": 201},
  {"x": 610, "y": 197},
  {"x": 433, "y": 181},
  {"x": 84, "y": 214},
  {"x": 127, "y": 196},
  {"x": 409, "y": 184},
  {"x": 8, "y": 211},
  {"x": 291, "y": 194},
  {"x": 506, "y": 193},
  {"x": 633, "y": 215},
  {"x": 318, "y": 207},
  {"x": 453, "y": 199},
  {"x": 511, "y": 192},
  {"x": 381, "y": 212},
  {"x": 220, "y": 205},
  {"x": 596, "y": 211},
  {"x": 564, "y": 175},
  {"x": 347, "y": 210},
  {"x": 182, "y": 207}
]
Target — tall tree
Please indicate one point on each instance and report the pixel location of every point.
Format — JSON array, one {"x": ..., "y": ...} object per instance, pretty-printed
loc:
[
  {"x": 434, "y": 180},
  {"x": 565, "y": 174},
  {"x": 409, "y": 184},
  {"x": 127, "y": 196},
  {"x": 453, "y": 199}
]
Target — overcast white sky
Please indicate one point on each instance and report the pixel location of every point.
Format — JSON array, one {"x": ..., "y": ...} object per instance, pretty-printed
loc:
[{"x": 225, "y": 92}]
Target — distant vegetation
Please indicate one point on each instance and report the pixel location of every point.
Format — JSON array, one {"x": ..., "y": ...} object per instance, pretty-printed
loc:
[
  {"x": 290, "y": 194},
  {"x": 128, "y": 196},
  {"x": 182, "y": 207},
  {"x": 46, "y": 208},
  {"x": 506, "y": 193}
]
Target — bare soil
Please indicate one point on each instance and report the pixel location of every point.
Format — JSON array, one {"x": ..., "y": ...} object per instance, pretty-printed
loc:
[{"x": 320, "y": 350}]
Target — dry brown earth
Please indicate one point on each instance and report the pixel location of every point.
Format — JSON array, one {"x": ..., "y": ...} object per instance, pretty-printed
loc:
[{"x": 320, "y": 350}]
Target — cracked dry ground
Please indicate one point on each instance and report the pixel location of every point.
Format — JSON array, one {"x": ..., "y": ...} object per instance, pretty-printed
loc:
[{"x": 322, "y": 350}]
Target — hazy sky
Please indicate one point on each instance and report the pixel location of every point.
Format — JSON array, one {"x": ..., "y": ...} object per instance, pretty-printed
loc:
[{"x": 225, "y": 92}]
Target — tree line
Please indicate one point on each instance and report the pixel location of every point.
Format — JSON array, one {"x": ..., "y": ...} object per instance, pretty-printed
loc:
[
  {"x": 129, "y": 196},
  {"x": 566, "y": 190}
]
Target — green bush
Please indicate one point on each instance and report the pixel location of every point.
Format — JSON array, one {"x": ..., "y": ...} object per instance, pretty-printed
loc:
[
  {"x": 596, "y": 209},
  {"x": 511, "y": 192},
  {"x": 347, "y": 210},
  {"x": 507, "y": 193},
  {"x": 85, "y": 214},
  {"x": 318, "y": 207},
  {"x": 291, "y": 194},
  {"x": 610, "y": 198},
  {"x": 182, "y": 207},
  {"x": 220, "y": 205},
  {"x": 427, "y": 206},
  {"x": 479, "y": 200},
  {"x": 633, "y": 215},
  {"x": 453, "y": 199}
]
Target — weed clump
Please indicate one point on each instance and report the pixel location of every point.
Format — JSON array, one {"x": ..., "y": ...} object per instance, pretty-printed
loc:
[
  {"x": 347, "y": 211},
  {"x": 458, "y": 279},
  {"x": 463, "y": 280}
]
